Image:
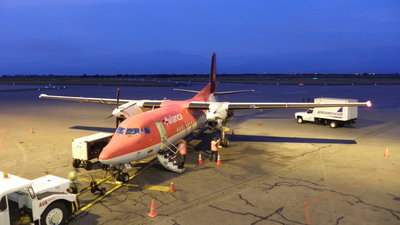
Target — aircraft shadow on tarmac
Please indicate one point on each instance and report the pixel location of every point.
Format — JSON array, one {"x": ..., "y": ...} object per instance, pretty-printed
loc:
[
  {"x": 243, "y": 138},
  {"x": 99, "y": 129}
]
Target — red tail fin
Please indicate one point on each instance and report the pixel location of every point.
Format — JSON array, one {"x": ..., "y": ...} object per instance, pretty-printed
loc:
[{"x": 213, "y": 74}]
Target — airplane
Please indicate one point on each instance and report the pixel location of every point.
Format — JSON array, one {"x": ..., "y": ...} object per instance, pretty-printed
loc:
[{"x": 149, "y": 127}]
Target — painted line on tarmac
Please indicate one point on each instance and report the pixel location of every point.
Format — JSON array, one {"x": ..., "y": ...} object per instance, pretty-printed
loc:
[
  {"x": 118, "y": 186},
  {"x": 306, "y": 204},
  {"x": 3, "y": 140},
  {"x": 157, "y": 188},
  {"x": 146, "y": 187}
]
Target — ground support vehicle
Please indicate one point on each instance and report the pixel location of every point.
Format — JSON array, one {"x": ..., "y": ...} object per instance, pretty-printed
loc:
[
  {"x": 43, "y": 201},
  {"x": 85, "y": 149},
  {"x": 334, "y": 116}
]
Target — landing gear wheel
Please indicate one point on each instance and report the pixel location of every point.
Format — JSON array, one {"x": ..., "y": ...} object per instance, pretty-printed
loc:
[
  {"x": 88, "y": 165},
  {"x": 76, "y": 163},
  {"x": 333, "y": 124},
  {"x": 299, "y": 120},
  {"x": 123, "y": 177},
  {"x": 103, "y": 191},
  {"x": 55, "y": 213},
  {"x": 225, "y": 142}
]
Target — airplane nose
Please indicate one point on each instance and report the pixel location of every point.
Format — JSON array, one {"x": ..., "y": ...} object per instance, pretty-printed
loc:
[{"x": 105, "y": 156}]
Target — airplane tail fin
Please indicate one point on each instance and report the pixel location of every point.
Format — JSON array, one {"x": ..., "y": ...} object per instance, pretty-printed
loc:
[{"x": 213, "y": 74}]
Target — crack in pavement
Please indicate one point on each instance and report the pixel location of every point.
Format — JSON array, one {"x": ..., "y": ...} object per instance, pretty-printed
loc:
[
  {"x": 338, "y": 220},
  {"x": 152, "y": 197},
  {"x": 245, "y": 200},
  {"x": 283, "y": 217},
  {"x": 175, "y": 223},
  {"x": 394, "y": 213},
  {"x": 260, "y": 218},
  {"x": 309, "y": 152},
  {"x": 288, "y": 184},
  {"x": 350, "y": 202},
  {"x": 306, "y": 181}
]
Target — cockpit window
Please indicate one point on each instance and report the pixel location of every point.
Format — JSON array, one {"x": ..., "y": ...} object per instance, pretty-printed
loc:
[
  {"x": 120, "y": 130},
  {"x": 147, "y": 130},
  {"x": 132, "y": 131}
]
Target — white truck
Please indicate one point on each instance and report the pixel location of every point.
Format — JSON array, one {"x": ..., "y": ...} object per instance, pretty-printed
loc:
[
  {"x": 334, "y": 116},
  {"x": 42, "y": 201},
  {"x": 87, "y": 148}
]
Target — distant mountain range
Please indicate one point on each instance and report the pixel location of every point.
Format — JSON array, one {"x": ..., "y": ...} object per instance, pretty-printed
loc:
[{"x": 377, "y": 60}]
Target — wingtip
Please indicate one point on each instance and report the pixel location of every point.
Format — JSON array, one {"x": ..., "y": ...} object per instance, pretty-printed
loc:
[
  {"x": 369, "y": 104},
  {"x": 42, "y": 95}
]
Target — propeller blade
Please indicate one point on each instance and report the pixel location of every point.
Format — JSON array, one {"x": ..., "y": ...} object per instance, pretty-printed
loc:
[
  {"x": 108, "y": 117},
  {"x": 118, "y": 92},
  {"x": 117, "y": 120}
]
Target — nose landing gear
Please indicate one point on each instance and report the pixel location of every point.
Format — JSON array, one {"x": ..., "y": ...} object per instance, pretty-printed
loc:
[{"x": 122, "y": 177}]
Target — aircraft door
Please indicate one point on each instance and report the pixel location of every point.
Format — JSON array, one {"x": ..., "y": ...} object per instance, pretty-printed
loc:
[
  {"x": 4, "y": 211},
  {"x": 163, "y": 135}
]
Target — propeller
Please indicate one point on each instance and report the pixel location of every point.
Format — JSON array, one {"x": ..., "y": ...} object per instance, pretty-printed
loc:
[{"x": 118, "y": 120}]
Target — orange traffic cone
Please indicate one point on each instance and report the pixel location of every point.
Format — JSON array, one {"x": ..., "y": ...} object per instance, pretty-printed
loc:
[
  {"x": 32, "y": 131},
  {"x": 219, "y": 162},
  {"x": 200, "y": 161},
  {"x": 153, "y": 212},
  {"x": 172, "y": 187},
  {"x": 386, "y": 154},
  {"x": 260, "y": 123}
]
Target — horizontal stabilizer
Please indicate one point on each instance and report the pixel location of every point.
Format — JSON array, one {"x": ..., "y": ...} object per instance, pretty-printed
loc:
[
  {"x": 232, "y": 92},
  {"x": 184, "y": 90}
]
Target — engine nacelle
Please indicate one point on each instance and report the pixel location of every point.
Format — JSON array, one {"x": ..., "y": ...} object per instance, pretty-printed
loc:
[
  {"x": 126, "y": 110},
  {"x": 217, "y": 114}
]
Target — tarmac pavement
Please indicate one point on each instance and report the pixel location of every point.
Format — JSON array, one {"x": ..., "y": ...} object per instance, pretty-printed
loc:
[{"x": 275, "y": 171}]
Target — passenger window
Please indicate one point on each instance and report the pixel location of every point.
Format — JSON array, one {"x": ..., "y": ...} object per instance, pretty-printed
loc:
[
  {"x": 310, "y": 111},
  {"x": 3, "y": 204},
  {"x": 132, "y": 131},
  {"x": 120, "y": 130}
]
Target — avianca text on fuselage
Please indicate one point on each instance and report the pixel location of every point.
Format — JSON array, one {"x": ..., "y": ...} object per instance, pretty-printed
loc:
[{"x": 173, "y": 119}]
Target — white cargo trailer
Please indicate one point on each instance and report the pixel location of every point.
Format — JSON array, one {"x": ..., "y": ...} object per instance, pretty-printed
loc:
[
  {"x": 46, "y": 200},
  {"x": 334, "y": 116},
  {"x": 87, "y": 148}
]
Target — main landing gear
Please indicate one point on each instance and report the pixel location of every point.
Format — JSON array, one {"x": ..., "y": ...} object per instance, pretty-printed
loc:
[{"x": 224, "y": 139}]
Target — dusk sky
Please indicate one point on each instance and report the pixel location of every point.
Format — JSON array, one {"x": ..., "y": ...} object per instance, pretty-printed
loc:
[{"x": 178, "y": 36}]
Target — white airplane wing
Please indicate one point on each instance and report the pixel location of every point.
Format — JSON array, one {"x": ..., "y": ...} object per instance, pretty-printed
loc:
[
  {"x": 271, "y": 105},
  {"x": 107, "y": 101}
]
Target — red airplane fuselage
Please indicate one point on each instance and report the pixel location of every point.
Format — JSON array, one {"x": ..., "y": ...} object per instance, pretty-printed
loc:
[{"x": 140, "y": 136}]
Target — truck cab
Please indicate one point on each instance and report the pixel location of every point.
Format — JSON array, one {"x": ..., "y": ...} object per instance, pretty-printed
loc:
[
  {"x": 44, "y": 200},
  {"x": 305, "y": 116}
]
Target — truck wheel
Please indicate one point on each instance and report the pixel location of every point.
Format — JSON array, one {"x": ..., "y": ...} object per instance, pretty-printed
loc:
[
  {"x": 333, "y": 124},
  {"x": 88, "y": 165},
  {"x": 225, "y": 142},
  {"x": 55, "y": 213},
  {"x": 76, "y": 163},
  {"x": 299, "y": 120}
]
